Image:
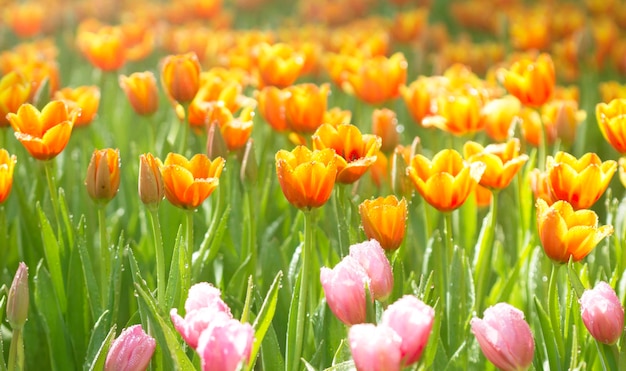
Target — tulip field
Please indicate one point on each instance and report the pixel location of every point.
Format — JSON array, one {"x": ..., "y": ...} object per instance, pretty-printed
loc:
[{"x": 312, "y": 185}]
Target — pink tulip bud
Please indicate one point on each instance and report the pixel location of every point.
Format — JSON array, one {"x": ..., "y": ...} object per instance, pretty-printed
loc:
[
  {"x": 505, "y": 337},
  {"x": 203, "y": 306},
  {"x": 17, "y": 302},
  {"x": 412, "y": 320},
  {"x": 131, "y": 351},
  {"x": 602, "y": 313},
  {"x": 372, "y": 258},
  {"x": 225, "y": 345},
  {"x": 344, "y": 288},
  {"x": 375, "y": 348}
]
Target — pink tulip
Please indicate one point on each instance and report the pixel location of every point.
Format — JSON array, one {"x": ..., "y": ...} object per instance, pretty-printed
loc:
[
  {"x": 602, "y": 313},
  {"x": 375, "y": 348},
  {"x": 225, "y": 345},
  {"x": 131, "y": 351},
  {"x": 372, "y": 258},
  {"x": 412, "y": 320},
  {"x": 344, "y": 288},
  {"x": 203, "y": 305},
  {"x": 505, "y": 337}
]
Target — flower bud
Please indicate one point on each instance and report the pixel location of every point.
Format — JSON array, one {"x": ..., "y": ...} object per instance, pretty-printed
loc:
[
  {"x": 602, "y": 313},
  {"x": 505, "y": 337},
  {"x": 249, "y": 166},
  {"x": 375, "y": 347},
  {"x": 215, "y": 145},
  {"x": 225, "y": 345},
  {"x": 412, "y": 320},
  {"x": 17, "y": 302},
  {"x": 385, "y": 125},
  {"x": 131, "y": 351},
  {"x": 344, "y": 288},
  {"x": 103, "y": 175},
  {"x": 372, "y": 258},
  {"x": 151, "y": 188}
]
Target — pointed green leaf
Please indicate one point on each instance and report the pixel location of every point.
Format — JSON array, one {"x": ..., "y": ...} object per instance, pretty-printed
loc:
[
  {"x": 53, "y": 259},
  {"x": 98, "y": 342},
  {"x": 549, "y": 337},
  {"x": 264, "y": 317},
  {"x": 93, "y": 291}
]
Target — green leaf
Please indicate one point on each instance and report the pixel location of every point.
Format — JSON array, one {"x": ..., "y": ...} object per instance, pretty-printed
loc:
[
  {"x": 271, "y": 354},
  {"x": 173, "y": 292},
  {"x": 99, "y": 342},
  {"x": 264, "y": 318},
  {"x": 343, "y": 366},
  {"x": 549, "y": 336},
  {"x": 53, "y": 259},
  {"x": 3, "y": 366},
  {"x": 574, "y": 280},
  {"x": 51, "y": 317},
  {"x": 93, "y": 291},
  {"x": 291, "y": 324},
  {"x": 245, "y": 313},
  {"x": 66, "y": 218},
  {"x": 116, "y": 279}
]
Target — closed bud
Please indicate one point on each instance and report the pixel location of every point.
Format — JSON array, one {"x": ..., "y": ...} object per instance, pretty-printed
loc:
[
  {"x": 344, "y": 287},
  {"x": 602, "y": 313},
  {"x": 103, "y": 175},
  {"x": 375, "y": 347},
  {"x": 131, "y": 351},
  {"x": 151, "y": 188},
  {"x": 215, "y": 145},
  {"x": 249, "y": 167},
  {"x": 17, "y": 303},
  {"x": 372, "y": 258}
]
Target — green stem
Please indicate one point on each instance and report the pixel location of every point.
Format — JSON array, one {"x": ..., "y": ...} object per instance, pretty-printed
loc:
[
  {"x": 554, "y": 308},
  {"x": 189, "y": 234},
  {"x": 250, "y": 241},
  {"x": 105, "y": 254},
  {"x": 4, "y": 235},
  {"x": 483, "y": 260},
  {"x": 427, "y": 222},
  {"x": 16, "y": 352},
  {"x": 449, "y": 236},
  {"x": 54, "y": 197},
  {"x": 342, "y": 226},
  {"x": 543, "y": 144},
  {"x": 160, "y": 260},
  {"x": 185, "y": 133},
  {"x": 305, "y": 272}
]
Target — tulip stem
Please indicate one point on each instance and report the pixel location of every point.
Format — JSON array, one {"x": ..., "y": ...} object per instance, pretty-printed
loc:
[
  {"x": 483, "y": 256},
  {"x": 342, "y": 226},
  {"x": 54, "y": 197},
  {"x": 160, "y": 260},
  {"x": 250, "y": 233},
  {"x": 189, "y": 233},
  {"x": 105, "y": 256},
  {"x": 16, "y": 352},
  {"x": 449, "y": 239},
  {"x": 305, "y": 273},
  {"x": 554, "y": 308},
  {"x": 4, "y": 234},
  {"x": 185, "y": 131},
  {"x": 543, "y": 144}
]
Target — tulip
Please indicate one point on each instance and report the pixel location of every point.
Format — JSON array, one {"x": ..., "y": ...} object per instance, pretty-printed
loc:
[
  {"x": 204, "y": 304},
  {"x": 384, "y": 220},
  {"x": 279, "y": 64},
  {"x": 565, "y": 233},
  {"x": 225, "y": 345},
  {"x": 337, "y": 116},
  {"x": 378, "y": 79},
  {"x": 180, "y": 76},
  {"x": 272, "y": 107},
  {"x": 83, "y": 99},
  {"x": 447, "y": 180},
  {"x": 505, "y": 337},
  {"x": 14, "y": 91},
  {"x": 103, "y": 175},
  {"x": 234, "y": 130},
  {"x": 612, "y": 121},
  {"x": 457, "y": 113},
  {"x": 602, "y": 313},
  {"x": 7, "y": 165},
  {"x": 499, "y": 115},
  {"x": 418, "y": 96},
  {"x": 131, "y": 351},
  {"x": 17, "y": 301},
  {"x": 540, "y": 185},
  {"x": 151, "y": 187},
  {"x": 44, "y": 134},
  {"x": 306, "y": 177},
  {"x": 502, "y": 161},
  {"x": 374, "y": 348},
  {"x": 530, "y": 81},
  {"x": 372, "y": 258},
  {"x": 305, "y": 106},
  {"x": 25, "y": 19},
  {"x": 189, "y": 182},
  {"x": 103, "y": 47},
  {"x": 355, "y": 152},
  {"x": 344, "y": 288},
  {"x": 412, "y": 320},
  {"x": 581, "y": 182},
  {"x": 385, "y": 125},
  {"x": 142, "y": 93}
]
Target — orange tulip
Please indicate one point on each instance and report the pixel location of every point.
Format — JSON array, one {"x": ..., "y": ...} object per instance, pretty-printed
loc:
[
  {"x": 531, "y": 127},
  {"x": 234, "y": 130},
  {"x": 540, "y": 185},
  {"x": 14, "y": 91},
  {"x": 499, "y": 115},
  {"x": 379, "y": 171},
  {"x": 378, "y": 79},
  {"x": 564, "y": 116},
  {"x": 447, "y": 180},
  {"x": 7, "y": 164},
  {"x": 212, "y": 92},
  {"x": 189, "y": 182},
  {"x": 151, "y": 187},
  {"x": 355, "y": 152},
  {"x": 418, "y": 96},
  {"x": 104, "y": 48},
  {"x": 83, "y": 99},
  {"x": 457, "y": 114},
  {"x": 612, "y": 122},
  {"x": 580, "y": 182},
  {"x": 142, "y": 92},
  {"x": 384, "y": 219},
  {"x": 279, "y": 64},
  {"x": 306, "y": 177},
  {"x": 532, "y": 82},
  {"x": 44, "y": 134},
  {"x": 180, "y": 76},
  {"x": 610, "y": 90},
  {"x": 25, "y": 19},
  {"x": 103, "y": 175},
  {"x": 483, "y": 196},
  {"x": 305, "y": 106},
  {"x": 503, "y": 161},
  {"x": 37, "y": 72},
  {"x": 272, "y": 107},
  {"x": 409, "y": 26},
  {"x": 565, "y": 233},
  {"x": 337, "y": 116},
  {"x": 385, "y": 125}
]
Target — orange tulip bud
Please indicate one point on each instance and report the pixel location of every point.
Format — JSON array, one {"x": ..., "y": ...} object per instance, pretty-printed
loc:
[
  {"x": 142, "y": 92},
  {"x": 83, "y": 99},
  {"x": 189, "y": 182},
  {"x": 305, "y": 106},
  {"x": 44, "y": 134},
  {"x": 14, "y": 91},
  {"x": 103, "y": 47},
  {"x": 499, "y": 116},
  {"x": 384, "y": 219},
  {"x": 279, "y": 64},
  {"x": 151, "y": 187},
  {"x": 103, "y": 175},
  {"x": 180, "y": 76},
  {"x": 7, "y": 165},
  {"x": 612, "y": 122},
  {"x": 447, "y": 180},
  {"x": 306, "y": 177},
  {"x": 385, "y": 125},
  {"x": 272, "y": 107},
  {"x": 565, "y": 233},
  {"x": 532, "y": 82}
]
